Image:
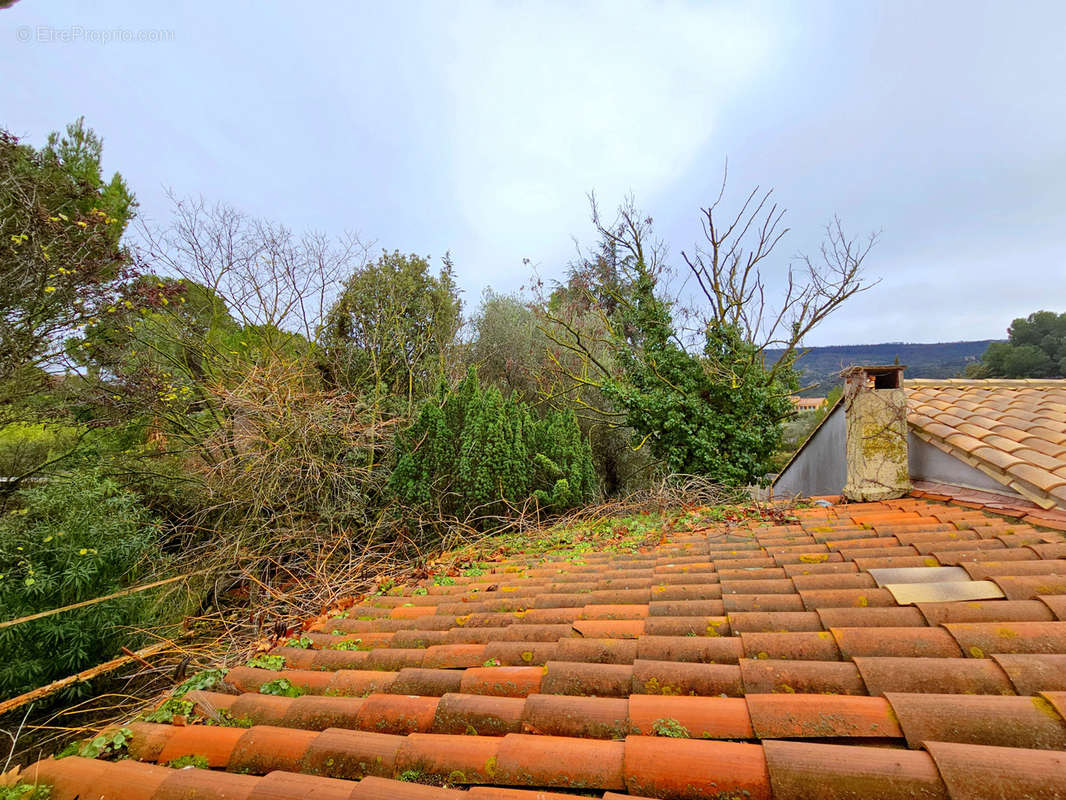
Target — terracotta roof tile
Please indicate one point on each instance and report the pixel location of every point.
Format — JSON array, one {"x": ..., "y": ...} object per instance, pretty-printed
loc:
[
  {"x": 972, "y": 771},
  {"x": 698, "y": 717},
  {"x": 762, "y": 602},
  {"x": 694, "y": 625},
  {"x": 123, "y": 779},
  {"x": 801, "y": 677},
  {"x": 986, "y": 611},
  {"x": 1006, "y": 428},
  {"x": 188, "y": 783},
  {"x": 479, "y": 715},
  {"x": 980, "y": 638},
  {"x": 814, "y": 599},
  {"x": 896, "y": 642},
  {"x": 375, "y": 788},
  {"x": 688, "y": 769},
  {"x": 562, "y": 762},
  {"x": 812, "y": 716},
  {"x": 1003, "y": 721},
  {"x": 259, "y": 750},
  {"x": 600, "y": 680},
  {"x": 849, "y": 580},
  {"x": 872, "y": 617},
  {"x": 1033, "y": 673},
  {"x": 954, "y": 676},
  {"x": 801, "y": 770},
  {"x": 457, "y": 759},
  {"x": 791, "y": 646},
  {"x": 597, "y": 651},
  {"x": 685, "y": 678},
  {"x": 499, "y": 793},
  {"x": 431, "y": 682},
  {"x": 768, "y": 621},
  {"x": 693, "y": 649},
  {"x": 587, "y": 673},
  {"x": 584, "y": 717},
  {"x": 1056, "y": 603},
  {"x": 500, "y": 681}
]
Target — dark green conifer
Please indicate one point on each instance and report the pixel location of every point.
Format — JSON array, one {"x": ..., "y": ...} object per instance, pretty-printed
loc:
[{"x": 473, "y": 453}]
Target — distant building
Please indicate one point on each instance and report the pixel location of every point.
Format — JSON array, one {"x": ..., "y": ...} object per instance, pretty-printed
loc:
[{"x": 807, "y": 403}]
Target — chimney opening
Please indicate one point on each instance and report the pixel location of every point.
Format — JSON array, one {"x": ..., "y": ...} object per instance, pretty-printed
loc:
[{"x": 886, "y": 377}]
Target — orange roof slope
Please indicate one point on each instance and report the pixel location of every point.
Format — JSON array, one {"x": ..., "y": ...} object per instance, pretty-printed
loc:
[
  {"x": 891, "y": 650},
  {"x": 1012, "y": 430}
]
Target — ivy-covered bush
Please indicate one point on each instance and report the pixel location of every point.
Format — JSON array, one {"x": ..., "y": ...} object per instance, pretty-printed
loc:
[
  {"x": 72, "y": 539},
  {"x": 717, "y": 414},
  {"x": 473, "y": 453}
]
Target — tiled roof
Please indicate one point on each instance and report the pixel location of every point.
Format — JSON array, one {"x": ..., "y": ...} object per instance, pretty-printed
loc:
[
  {"x": 807, "y": 403},
  {"x": 1012, "y": 430},
  {"x": 905, "y": 649}
]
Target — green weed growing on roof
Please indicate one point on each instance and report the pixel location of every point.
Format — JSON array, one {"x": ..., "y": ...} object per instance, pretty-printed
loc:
[
  {"x": 227, "y": 720},
  {"x": 282, "y": 687},
  {"x": 26, "y": 791},
  {"x": 106, "y": 746},
  {"x": 669, "y": 727},
  {"x": 350, "y": 644},
  {"x": 191, "y": 760},
  {"x": 173, "y": 707},
  {"x": 263, "y": 661},
  {"x": 203, "y": 680}
]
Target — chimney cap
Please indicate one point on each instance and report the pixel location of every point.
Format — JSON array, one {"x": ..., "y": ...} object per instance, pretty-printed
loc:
[
  {"x": 881, "y": 376},
  {"x": 854, "y": 368}
]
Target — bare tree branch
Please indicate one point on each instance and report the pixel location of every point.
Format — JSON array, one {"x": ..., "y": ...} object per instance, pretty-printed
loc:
[{"x": 728, "y": 268}]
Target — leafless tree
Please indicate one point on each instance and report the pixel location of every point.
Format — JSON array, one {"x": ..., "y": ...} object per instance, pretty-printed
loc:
[
  {"x": 728, "y": 267},
  {"x": 266, "y": 275}
]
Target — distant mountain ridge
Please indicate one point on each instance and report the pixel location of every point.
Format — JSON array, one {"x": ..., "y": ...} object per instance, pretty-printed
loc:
[{"x": 820, "y": 365}]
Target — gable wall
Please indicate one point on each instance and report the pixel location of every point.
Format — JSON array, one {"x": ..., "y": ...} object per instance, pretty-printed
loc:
[
  {"x": 929, "y": 463},
  {"x": 819, "y": 468}
]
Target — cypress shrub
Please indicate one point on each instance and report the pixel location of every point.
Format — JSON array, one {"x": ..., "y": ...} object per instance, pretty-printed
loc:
[{"x": 473, "y": 453}]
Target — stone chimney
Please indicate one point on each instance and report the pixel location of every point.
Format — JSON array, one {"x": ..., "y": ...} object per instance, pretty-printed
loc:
[{"x": 875, "y": 420}]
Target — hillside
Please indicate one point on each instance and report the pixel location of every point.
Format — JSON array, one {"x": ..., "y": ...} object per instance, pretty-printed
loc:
[{"x": 820, "y": 365}]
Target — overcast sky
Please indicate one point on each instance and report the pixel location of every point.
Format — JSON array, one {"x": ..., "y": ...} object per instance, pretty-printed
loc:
[{"x": 480, "y": 127}]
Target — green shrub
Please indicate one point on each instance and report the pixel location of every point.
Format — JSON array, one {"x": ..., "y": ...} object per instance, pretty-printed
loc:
[
  {"x": 25, "y": 447},
  {"x": 67, "y": 541},
  {"x": 716, "y": 414},
  {"x": 473, "y": 453}
]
